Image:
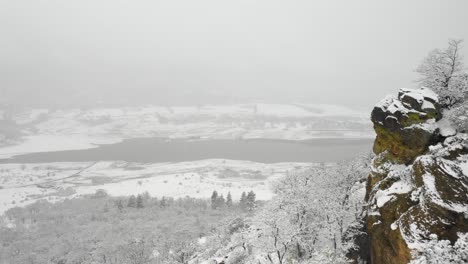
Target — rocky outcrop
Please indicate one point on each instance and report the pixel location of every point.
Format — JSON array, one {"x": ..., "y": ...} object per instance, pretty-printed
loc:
[
  {"x": 418, "y": 187},
  {"x": 405, "y": 125}
]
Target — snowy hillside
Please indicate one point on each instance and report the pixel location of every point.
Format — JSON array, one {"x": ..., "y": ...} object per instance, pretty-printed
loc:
[{"x": 22, "y": 184}]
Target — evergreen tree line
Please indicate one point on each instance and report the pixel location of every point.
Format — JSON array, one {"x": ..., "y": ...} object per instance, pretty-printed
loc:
[
  {"x": 85, "y": 230},
  {"x": 246, "y": 202},
  {"x": 144, "y": 200},
  {"x": 133, "y": 201}
]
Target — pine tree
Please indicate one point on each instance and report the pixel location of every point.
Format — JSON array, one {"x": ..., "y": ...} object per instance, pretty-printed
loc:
[
  {"x": 119, "y": 205},
  {"x": 221, "y": 201},
  {"x": 243, "y": 201},
  {"x": 214, "y": 200},
  {"x": 163, "y": 202},
  {"x": 146, "y": 196},
  {"x": 250, "y": 200},
  {"x": 131, "y": 201},
  {"x": 229, "y": 200},
  {"x": 139, "y": 201}
]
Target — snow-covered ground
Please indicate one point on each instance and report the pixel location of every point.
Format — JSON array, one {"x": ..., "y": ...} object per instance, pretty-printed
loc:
[
  {"x": 51, "y": 130},
  {"x": 22, "y": 184},
  {"x": 43, "y": 130}
]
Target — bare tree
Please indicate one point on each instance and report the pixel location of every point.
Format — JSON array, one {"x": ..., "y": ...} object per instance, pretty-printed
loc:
[
  {"x": 443, "y": 71},
  {"x": 312, "y": 214},
  {"x": 181, "y": 252},
  {"x": 137, "y": 252}
]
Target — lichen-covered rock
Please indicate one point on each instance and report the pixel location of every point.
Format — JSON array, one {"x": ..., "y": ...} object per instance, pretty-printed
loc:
[
  {"x": 441, "y": 191},
  {"x": 417, "y": 191},
  {"x": 406, "y": 125},
  {"x": 388, "y": 200}
]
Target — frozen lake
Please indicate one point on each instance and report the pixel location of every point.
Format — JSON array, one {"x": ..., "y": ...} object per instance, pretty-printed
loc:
[{"x": 155, "y": 150}]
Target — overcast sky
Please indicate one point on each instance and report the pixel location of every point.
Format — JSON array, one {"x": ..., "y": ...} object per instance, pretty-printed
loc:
[{"x": 196, "y": 52}]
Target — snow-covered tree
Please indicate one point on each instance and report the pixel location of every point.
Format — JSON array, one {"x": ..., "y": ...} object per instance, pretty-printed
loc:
[
  {"x": 119, "y": 205},
  {"x": 277, "y": 234},
  {"x": 163, "y": 202},
  {"x": 221, "y": 202},
  {"x": 243, "y": 200},
  {"x": 214, "y": 200},
  {"x": 229, "y": 200},
  {"x": 313, "y": 214},
  {"x": 131, "y": 201},
  {"x": 136, "y": 252},
  {"x": 441, "y": 251},
  {"x": 444, "y": 72},
  {"x": 139, "y": 201},
  {"x": 182, "y": 252},
  {"x": 458, "y": 117},
  {"x": 250, "y": 200}
]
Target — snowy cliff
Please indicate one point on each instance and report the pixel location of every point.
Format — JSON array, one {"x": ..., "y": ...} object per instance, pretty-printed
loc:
[{"x": 417, "y": 191}]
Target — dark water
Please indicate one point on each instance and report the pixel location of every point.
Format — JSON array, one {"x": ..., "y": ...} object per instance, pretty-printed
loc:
[{"x": 163, "y": 150}]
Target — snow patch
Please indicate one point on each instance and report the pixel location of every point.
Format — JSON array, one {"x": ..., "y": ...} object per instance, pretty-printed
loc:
[
  {"x": 25, "y": 184},
  {"x": 429, "y": 183},
  {"x": 382, "y": 198},
  {"x": 446, "y": 129},
  {"x": 464, "y": 168},
  {"x": 46, "y": 143}
]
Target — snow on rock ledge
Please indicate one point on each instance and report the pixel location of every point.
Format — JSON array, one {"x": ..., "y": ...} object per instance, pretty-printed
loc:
[
  {"x": 417, "y": 191},
  {"x": 406, "y": 125}
]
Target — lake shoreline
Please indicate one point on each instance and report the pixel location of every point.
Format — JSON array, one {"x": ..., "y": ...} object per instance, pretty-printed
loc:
[{"x": 156, "y": 150}]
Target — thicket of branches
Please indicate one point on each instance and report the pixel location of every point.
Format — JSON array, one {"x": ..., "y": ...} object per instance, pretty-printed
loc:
[
  {"x": 443, "y": 71},
  {"x": 312, "y": 219},
  {"x": 101, "y": 229}
]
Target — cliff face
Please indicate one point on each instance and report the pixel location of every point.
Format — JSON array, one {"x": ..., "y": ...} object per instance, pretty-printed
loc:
[{"x": 417, "y": 191}]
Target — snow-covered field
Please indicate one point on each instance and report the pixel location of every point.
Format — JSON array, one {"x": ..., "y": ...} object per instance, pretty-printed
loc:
[
  {"x": 22, "y": 184},
  {"x": 41, "y": 130}
]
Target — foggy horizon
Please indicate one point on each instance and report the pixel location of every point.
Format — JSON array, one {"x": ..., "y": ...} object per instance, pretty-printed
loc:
[
  {"x": 62, "y": 53},
  {"x": 233, "y": 132}
]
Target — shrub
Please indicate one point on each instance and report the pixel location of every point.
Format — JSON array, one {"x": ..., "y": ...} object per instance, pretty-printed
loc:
[{"x": 458, "y": 116}]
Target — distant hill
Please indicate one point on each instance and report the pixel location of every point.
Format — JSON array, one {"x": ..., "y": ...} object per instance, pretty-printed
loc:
[{"x": 62, "y": 129}]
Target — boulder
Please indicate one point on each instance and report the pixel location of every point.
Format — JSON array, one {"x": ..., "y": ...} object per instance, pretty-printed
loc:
[{"x": 406, "y": 125}]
